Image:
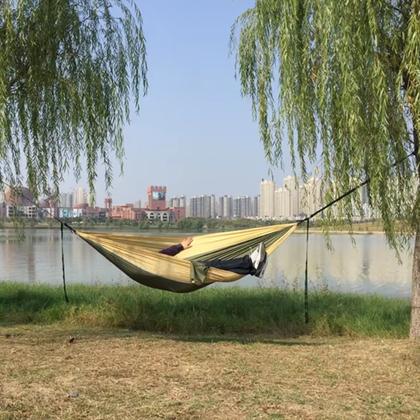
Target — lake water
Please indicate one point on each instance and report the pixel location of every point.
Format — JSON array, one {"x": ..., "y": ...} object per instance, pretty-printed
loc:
[{"x": 367, "y": 266}]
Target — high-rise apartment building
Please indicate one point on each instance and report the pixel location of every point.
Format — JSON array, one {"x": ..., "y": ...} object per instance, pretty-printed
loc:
[
  {"x": 219, "y": 208},
  {"x": 79, "y": 197},
  {"x": 237, "y": 207},
  {"x": 178, "y": 201},
  {"x": 292, "y": 186},
  {"x": 267, "y": 199},
  {"x": 195, "y": 207},
  {"x": 256, "y": 206},
  {"x": 242, "y": 207},
  {"x": 66, "y": 200},
  {"x": 311, "y": 199},
  {"x": 213, "y": 210},
  {"x": 282, "y": 203},
  {"x": 202, "y": 206},
  {"x": 227, "y": 212}
]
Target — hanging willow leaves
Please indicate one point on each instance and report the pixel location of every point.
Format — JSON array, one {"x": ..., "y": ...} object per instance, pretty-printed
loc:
[
  {"x": 346, "y": 78},
  {"x": 340, "y": 82},
  {"x": 67, "y": 72}
]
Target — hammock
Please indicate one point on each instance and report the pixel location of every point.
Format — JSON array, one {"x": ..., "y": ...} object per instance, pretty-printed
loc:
[{"x": 139, "y": 257}]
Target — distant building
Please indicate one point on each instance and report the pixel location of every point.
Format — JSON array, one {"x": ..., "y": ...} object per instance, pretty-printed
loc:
[
  {"x": 65, "y": 212},
  {"x": 178, "y": 213},
  {"x": 219, "y": 208},
  {"x": 213, "y": 210},
  {"x": 292, "y": 186},
  {"x": 281, "y": 203},
  {"x": 227, "y": 207},
  {"x": 126, "y": 212},
  {"x": 91, "y": 198},
  {"x": 18, "y": 197},
  {"x": 156, "y": 197},
  {"x": 79, "y": 196},
  {"x": 160, "y": 215},
  {"x": 311, "y": 200},
  {"x": 65, "y": 200},
  {"x": 242, "y": 207},
  {"x": 19, "y": 203},
  {"x": 28, "y": 212},
  {"x": 177, "y": 205},
  {"x": 203, "y": 206},
  {"x": 178, "y": 201},
  {"x": 80, "y": 212},
  {"x": 256, "y": 206},
  {"x": 108, "y": 203},
  {"x": 267, "y": 189}
]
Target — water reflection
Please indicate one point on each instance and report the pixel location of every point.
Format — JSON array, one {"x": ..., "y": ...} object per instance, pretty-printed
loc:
[{"x": 368, "y": 266}]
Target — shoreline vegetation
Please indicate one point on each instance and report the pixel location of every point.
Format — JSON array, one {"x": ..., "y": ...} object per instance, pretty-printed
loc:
[
  {"x": 190, "y": 225},
  {"x": 228, "y": 311}
]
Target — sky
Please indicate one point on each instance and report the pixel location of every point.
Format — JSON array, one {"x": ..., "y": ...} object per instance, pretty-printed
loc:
[{"x": 195, "y": 132}]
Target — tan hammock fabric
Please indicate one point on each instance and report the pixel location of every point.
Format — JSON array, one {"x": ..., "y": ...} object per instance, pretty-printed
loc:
[{"x": 139, "y": 257}]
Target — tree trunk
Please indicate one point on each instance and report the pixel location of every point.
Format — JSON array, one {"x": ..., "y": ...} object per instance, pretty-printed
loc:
[
  {"x": 415, "y": 288},
  {"x": 415, "y": 296}
]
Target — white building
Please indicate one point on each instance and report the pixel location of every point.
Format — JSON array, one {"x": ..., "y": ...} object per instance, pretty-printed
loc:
[
  {"x": 66, "y": 200},
  {"x": 203, "y": 206},
  {"x": 256, "y": 206},
  {"x": 227, "y": 207},
  {"x": 29, "y": 212},
  {"x": 178, "y": 201},
  {"x": 292, "y": 186},
  {"x": 282, "y": 203},
  {"x": 79, "y": 196},
  {"x": 159, "y": 215},
  {"x": 267, "y": 189},
  {"x": 213, "y": 211},
  {"x": 311, "y": 199}
]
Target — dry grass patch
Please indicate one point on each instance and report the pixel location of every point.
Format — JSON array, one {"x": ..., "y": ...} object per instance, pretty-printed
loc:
[{"x": 118, "y": 373}]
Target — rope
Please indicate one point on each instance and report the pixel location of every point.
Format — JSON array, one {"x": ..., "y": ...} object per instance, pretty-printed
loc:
[
  {"x": 62, "y": 263},
  {"x": 308, "y": 218},
  {"x": 366, "y": 181},
  {"x": 62, "y": 224},
  {"x": 306, "y": 275},
  {"x": 59, "y": 220}
]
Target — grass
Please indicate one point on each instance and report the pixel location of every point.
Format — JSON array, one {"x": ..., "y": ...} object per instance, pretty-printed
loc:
[
  {"x": 108, "y": 374},
  {"x": 133, "y": 352},
  {"x": 223, "y": 311}
]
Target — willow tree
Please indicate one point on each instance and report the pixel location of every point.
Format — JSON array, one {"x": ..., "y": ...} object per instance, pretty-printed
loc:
[
  {"x": 339, "y": 81},
  {"x": 68, "y": 71}
]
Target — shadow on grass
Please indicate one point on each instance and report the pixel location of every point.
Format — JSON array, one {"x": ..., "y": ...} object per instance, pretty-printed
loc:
[
  {"x": 223, "y": 314},
  {"x": 249, "y": 340},
  {"x": 71, "y": 335}
]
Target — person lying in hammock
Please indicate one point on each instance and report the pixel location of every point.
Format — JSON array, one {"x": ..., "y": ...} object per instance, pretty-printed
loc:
[{"x": 254, "y": 263}]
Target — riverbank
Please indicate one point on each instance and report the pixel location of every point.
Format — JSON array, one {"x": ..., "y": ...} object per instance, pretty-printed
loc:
[
  {"x": 216, "y": 312},
  {"x": 197, "y": 225}
]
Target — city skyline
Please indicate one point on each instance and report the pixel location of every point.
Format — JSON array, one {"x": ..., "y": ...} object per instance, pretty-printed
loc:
[{"x": 290, "y": 199}]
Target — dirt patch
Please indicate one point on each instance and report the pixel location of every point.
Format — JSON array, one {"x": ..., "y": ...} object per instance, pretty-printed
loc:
[{"x": 60, "y": 373}]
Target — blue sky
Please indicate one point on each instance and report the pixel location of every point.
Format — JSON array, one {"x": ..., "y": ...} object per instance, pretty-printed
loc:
[{"x": 195, "y": 132}]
